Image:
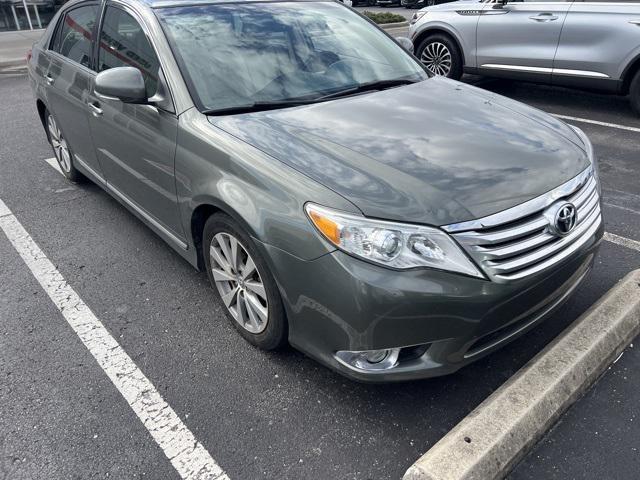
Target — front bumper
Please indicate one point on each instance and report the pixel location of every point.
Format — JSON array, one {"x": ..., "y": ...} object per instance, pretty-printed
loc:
[{"x": 337, "y": 303}]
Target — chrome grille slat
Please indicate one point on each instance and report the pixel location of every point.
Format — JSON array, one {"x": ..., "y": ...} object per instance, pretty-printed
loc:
[
  {"x": 558, "y": 258},
  {"x": 583, "y": 194},
  {"x": 537, "y": 255},
  {"x": 511, "y": 247},
  {"x": 588, "y": 208},
  {"x": 500, "y": 236},
  {"x": 516, "y": 248}
]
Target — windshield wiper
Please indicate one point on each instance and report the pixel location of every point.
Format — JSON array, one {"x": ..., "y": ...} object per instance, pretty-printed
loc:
[
  {"x": 274, "y": 105},
  {"x": 366, "y": 87},
  {"x": 258, "y": 107}
]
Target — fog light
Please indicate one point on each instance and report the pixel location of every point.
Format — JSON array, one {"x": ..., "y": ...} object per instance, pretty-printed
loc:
[
  {"x": 369, "y": 359},
  {"x": 376, "y": 356}
]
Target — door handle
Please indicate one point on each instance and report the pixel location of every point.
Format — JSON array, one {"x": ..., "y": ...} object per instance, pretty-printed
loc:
[
  {"x": 95, "y": 108},
  {"x": 635, "y": 22},
  {"x": 544, "y": 17},
  {"x": 49, "y": 79}
]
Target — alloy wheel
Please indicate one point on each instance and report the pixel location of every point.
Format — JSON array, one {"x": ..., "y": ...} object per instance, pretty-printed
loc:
[
  {"x": 59, "y": 144},
  {"x": 436, "y": 57},
  {"x": 239, "y": 282}
]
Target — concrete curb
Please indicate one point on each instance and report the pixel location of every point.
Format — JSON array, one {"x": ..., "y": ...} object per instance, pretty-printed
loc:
[
  {"x": 489, "y": 442},
  {"x": 391, "y": 26},
  {"x": 13, "y": 65}
]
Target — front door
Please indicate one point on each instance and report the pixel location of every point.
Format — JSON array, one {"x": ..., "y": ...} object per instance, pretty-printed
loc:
[
  {"x": 69, "y": 80},
  {"x": 136, "y": 143},
  {"x": 521, "y": 36}
]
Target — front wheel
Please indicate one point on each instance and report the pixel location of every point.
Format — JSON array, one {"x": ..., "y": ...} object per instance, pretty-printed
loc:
[
  {"x": 441, "y": 56},
  {"x": 245, "y": 287}
]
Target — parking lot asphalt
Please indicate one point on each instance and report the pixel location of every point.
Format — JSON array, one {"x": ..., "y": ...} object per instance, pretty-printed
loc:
[{"x": 260, "y": 415}]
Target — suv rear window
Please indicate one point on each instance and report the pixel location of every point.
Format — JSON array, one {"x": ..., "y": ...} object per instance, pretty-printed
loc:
[{"x": 75, "y": 34}]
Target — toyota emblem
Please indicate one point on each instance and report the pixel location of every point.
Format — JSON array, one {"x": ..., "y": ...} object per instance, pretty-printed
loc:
[{"x": 565, "y": 219}]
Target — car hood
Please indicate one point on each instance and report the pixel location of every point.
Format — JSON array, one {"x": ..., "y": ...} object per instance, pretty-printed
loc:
[{"x": 435, "y": 152}]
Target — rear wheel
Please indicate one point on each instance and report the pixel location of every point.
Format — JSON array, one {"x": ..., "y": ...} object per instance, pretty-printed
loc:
[
  {"x": 634, "y": 93},
  {"x": 61, "y": 148},
  {"x": 245, "y": 288},
  {"x": 441, "y": 56}
]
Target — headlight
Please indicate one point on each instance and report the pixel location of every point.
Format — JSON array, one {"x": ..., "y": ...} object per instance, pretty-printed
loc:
[
  {"x": 417, "y": 16},
  {"x": 391, "y": 244},
  {"x": 590, "y": 153}
]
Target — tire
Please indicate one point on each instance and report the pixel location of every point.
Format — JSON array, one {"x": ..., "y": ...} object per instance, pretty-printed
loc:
[
  {"x": 255, "y": 309},
  {"x": 441, "y": 56},
  {"x": 61, "y": 149},
  {"x": 634, "y": 93}
]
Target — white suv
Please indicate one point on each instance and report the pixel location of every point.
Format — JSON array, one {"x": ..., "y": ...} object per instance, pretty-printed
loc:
[{"x": 592, "y": 45}]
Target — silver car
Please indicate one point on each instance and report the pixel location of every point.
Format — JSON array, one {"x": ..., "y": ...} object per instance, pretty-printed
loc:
[{"x": 591, "y": 45}]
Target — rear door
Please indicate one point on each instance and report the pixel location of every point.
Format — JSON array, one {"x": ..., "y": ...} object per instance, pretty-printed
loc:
[
  {"x": 69, "y": 80},
  {"x": 598, "y": 41},
  {"x": 521, "y": 36},
  {"x": 136, "y": 144}
]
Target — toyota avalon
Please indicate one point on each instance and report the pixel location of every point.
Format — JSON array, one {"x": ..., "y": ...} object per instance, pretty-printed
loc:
[{"x": 391, "y": 224}]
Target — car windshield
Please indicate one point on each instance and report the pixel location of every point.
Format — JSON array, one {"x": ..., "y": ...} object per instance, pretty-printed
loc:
[{"x": 251, "y": 56}]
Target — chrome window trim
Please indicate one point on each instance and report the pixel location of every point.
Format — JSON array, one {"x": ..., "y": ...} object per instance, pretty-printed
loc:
[
  {"x": 552, "y": 71},
  {"x": 524, "y": 209}
]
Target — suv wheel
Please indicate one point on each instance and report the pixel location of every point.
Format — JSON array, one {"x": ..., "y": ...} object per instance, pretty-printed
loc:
[
  {"x": 245, "y": 288},
  {"x": 61, "y": 149},
  {"x": 441, "y": 56},
  {"x": 634, "y": 93}
]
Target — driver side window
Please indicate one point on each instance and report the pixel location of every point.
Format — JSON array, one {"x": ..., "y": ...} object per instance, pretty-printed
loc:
[{"x": 123, "y": 43}]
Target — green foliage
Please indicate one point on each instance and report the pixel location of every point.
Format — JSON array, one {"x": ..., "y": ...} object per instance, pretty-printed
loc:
[{"x": 385, "y": 17}]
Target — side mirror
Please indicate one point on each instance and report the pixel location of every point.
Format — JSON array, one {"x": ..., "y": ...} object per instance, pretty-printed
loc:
[
  {"x": 405, "y": 43},
  {"x": 124, "y": 83}
]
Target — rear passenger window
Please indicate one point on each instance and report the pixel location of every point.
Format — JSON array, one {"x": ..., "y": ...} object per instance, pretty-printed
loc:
[
  {"x": 123, "y": 43},
  {"x": 75, "y": 34}
]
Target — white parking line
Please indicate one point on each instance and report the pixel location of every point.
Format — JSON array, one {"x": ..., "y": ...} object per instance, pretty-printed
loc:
[
  {"x": 623, "y": 241},
  {"x": 595, "y": 122},
  {"x": 186, "y": 454},
  {"x": 53, "y": 163}
]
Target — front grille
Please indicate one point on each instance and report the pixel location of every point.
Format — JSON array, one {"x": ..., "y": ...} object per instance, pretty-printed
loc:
[{"x": 518, "y": 242}]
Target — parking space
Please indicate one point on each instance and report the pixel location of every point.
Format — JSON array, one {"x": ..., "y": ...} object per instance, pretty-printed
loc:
[{"x": 259, "y": 415}]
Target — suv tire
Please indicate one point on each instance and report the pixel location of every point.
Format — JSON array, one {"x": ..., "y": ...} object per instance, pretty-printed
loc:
[
  {"x": 634, "y": 93},
  {"x": 441, "y": 56}
]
